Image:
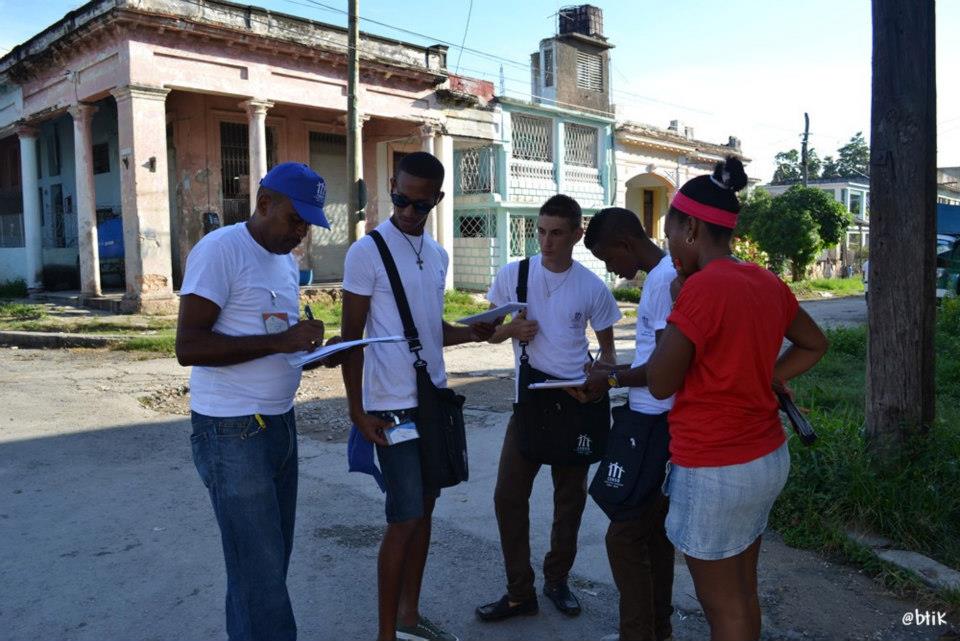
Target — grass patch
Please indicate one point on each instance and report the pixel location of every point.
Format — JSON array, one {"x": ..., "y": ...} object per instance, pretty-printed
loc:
[
  {"x": 836, "y": 286},
  {"x": 13, "y": 288},
  {"x": 627, "y": 294},
  {"x": 46, "y": 323},
  {"x": 457, "y": 304},
  {"x": 21, "y": 311},
  {"x": 161, "y": 344},
  {"x": 835, "y": 485}
]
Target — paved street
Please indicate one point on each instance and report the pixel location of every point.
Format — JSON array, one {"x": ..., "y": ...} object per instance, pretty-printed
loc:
[{"x": 108, "y": 533}]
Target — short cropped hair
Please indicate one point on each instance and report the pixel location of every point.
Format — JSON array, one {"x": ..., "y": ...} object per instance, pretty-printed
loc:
[
  {"x": 563, "y": 206},
  {"x": 422, "y": 165},
  {"x": 612, "y": 222}
]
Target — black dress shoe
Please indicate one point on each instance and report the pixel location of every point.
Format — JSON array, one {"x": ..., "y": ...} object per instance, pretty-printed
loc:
[
  {"x": 563, "y": 598},
  {"x": 499, "y": 610}
]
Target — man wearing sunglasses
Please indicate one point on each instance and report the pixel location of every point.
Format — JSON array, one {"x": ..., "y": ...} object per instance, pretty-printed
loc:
[{"x": 381, "y": 384}]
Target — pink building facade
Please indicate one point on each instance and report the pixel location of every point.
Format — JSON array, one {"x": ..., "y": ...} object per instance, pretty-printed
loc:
[{"x": 151, "y": 115}]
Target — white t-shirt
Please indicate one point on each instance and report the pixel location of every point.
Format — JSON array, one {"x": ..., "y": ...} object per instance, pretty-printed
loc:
[
  {"x": 389, "y": 380},
  {"x": 231, "y": 269},
  {"x": 576, "y": 296},
  {"x": 652, "y": 312}
]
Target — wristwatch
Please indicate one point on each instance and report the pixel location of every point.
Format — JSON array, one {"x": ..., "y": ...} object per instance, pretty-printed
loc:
[{"x": 612, "y": 379}]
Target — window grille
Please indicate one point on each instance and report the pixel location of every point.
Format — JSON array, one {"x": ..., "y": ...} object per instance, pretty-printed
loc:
[
  {"x": 11, "y": 230},
  {"x": 548, "y": 67},
  {"x": 235, "y": 168},
  {"x": 580, "y": 145},
  {"x": 477, "y": 170},
  {"x": 523, "y": 236},
  {"x": 476, "y": 224},
  {"x": 589, "y": 71},
  {"x": 532, "y": 139}
]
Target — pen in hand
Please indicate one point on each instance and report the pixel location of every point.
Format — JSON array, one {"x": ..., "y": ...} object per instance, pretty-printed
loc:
[{"x": 308, "y": 312}]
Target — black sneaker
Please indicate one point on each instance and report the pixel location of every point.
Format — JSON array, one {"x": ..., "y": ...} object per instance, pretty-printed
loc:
[
  {"x": 500, "y": 610},
  {"x": 563, "y": 598}
]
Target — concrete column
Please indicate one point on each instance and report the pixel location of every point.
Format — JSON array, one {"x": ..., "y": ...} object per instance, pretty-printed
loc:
[
  {"x": 32, "y": 228},
  {"x": 145, "y": 200},
  {"x": 427, "y": 134},
  {"x": 257, "y": 122},
  {"x": 86, "y": 199},
  {"x": 445, "y": 210},
  {"x": 384, "y": 174},
  {"x": 559, "y": 161}
]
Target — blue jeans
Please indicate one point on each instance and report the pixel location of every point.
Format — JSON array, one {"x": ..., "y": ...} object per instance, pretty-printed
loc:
[{"x": 251, "y": 474}]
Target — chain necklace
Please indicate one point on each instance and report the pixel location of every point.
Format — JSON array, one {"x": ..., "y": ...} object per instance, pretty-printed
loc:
[
  {"x": 410, "y": 242},
  {"x": 546, "y": 285}
]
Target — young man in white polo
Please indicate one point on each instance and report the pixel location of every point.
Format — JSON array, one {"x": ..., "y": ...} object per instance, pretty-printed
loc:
[
  {"x": 641, "y": 557},
  {"x": 381, "y": 384},
  {"x": 562, "y": 297}
]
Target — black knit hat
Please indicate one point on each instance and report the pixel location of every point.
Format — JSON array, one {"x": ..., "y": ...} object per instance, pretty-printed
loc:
[{"x": 713, "y": 198}]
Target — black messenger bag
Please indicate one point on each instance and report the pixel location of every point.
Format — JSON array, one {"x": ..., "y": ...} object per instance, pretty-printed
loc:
[
  {"x": 443, "y": 438},
  {"x": 633, "y": 467},
  {"x": 554, "y": 427}
]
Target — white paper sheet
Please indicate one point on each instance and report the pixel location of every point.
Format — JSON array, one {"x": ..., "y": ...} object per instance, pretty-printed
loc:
[
  {"x": 299, "y": 359},
  {"x": 554, "y": 383},
  {"x": 492, "y": 315}
]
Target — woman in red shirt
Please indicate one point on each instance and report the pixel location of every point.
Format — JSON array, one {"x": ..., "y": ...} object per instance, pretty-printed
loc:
[{"x": 720, "y": 354}]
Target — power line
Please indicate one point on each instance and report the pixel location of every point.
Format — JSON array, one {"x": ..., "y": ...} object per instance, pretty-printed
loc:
[{"x": 466, "y": 28}]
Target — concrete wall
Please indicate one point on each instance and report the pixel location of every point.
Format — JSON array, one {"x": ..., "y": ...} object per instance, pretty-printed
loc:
[
  {"x": 568, "y": 93},
  {"x": 475, "y": 263},
  {"x": 13, "y": 263}
]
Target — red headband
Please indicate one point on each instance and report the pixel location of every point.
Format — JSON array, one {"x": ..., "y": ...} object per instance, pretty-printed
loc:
[{"x": 705, "y": 213}]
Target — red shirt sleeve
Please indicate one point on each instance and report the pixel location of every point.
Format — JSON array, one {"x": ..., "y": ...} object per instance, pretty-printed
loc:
[{"x": 695, "y": 311}]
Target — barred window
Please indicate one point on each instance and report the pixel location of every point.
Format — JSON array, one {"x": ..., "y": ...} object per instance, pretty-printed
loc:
[
  {"x": 589, "y": 71},
  {"x": 548, "y": 67},
  {"x": 532, "y": 138},
  {"x": 579, "y": 145}
]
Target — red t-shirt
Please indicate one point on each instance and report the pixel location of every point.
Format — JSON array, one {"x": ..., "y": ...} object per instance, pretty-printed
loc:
[{"x": 736, "y": 315}]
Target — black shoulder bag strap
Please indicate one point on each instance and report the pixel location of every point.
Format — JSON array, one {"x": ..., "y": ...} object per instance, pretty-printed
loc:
[
  {"x": 409, "y": 329},
  {"x": 522, "y": 278}
]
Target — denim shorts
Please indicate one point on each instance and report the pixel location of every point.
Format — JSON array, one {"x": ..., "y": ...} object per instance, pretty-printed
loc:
[
  {"x": 718, "y": 512},
  {"x": 400, "y": 466}
]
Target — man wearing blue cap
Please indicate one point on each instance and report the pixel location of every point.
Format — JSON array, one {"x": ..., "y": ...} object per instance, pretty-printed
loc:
[{"x": 239, "y": 315}]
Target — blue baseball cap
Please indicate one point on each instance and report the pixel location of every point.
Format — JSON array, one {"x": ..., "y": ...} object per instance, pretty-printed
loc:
[{"x": 303, "y": 186}]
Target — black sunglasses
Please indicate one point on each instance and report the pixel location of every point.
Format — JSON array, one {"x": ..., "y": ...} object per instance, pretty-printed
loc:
[{"x": 422, "y": 207}]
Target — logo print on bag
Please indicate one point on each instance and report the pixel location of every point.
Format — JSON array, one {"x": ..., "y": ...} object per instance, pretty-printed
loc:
[
  {"x": 615, "y": 474},
  {"x": 584, "y": 445}
]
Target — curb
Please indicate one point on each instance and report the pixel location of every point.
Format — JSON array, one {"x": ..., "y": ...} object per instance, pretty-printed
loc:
[
  {"x": 933, "y": 573},
  {"x": 56, "y": 340}
]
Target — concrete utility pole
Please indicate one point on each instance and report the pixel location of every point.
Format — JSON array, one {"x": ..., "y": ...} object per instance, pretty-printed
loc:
[
  {"x": 903, "y": 193},
  {"x": 803, "y": 148},
  {"x": 354, "y": 135}
]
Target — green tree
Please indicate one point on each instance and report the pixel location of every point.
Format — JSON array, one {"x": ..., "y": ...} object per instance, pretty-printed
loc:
[
  {"x": 813, "y": 164},
  {"x": 754, "y": 206},
  {"x": 854, "y": 157},
  {"x": 830, "y": 168},
  {"x": 788, "y": 166},
  {"x": 796, "y": 226}
]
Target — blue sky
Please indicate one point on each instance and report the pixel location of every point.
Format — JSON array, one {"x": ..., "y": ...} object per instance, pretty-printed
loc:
[{"x": 748, "y": 68}]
